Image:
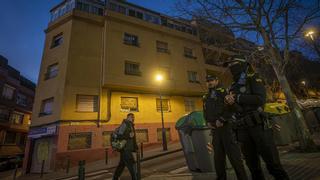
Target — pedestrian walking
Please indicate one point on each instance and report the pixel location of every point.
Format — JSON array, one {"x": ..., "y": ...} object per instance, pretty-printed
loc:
[{"x": 127, "y": 132}]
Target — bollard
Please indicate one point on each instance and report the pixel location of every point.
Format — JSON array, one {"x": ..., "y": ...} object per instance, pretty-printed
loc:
[
  {"x": 81, "y": 172},
  {"x": 68, "y": 165},
  {"x": 42, "y": 168},
  {"x": 107, "y": 156},
  {"x": 15, "y": 172},
  {"x": 141, "y": 150},
  {"x": 138, "y": 165}
]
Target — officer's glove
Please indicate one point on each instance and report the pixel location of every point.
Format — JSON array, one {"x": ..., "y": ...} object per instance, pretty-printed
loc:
[{"x": 219, "y": 123}]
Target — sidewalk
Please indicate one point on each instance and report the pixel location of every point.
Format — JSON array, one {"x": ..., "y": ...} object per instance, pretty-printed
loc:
[
  {"x": 298, "y": 166},
  {"x": 100, "y": 166}
]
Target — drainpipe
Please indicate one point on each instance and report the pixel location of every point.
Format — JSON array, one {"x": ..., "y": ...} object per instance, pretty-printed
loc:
[
  {"x": 102, "y": 66},
  {"x": 109, "y": 94}
]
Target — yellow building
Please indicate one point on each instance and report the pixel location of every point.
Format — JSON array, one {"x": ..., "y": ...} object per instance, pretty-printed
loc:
[{"x": 99, "y": 63}]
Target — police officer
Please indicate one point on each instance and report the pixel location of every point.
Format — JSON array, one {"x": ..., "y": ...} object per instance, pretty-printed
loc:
[
  {"x": 127, "y": 132},
  {"x": 224, "y": 142},
  {"x": 247, "y": 97}
]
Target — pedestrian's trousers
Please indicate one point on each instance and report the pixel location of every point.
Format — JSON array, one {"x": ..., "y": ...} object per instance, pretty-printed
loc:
[{"x": 126, "y": 160}]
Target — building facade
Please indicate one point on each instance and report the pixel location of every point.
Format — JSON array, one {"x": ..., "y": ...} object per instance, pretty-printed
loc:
[
  {"x": 16, "y": 100},
  {"x": 99, "y": 63}
]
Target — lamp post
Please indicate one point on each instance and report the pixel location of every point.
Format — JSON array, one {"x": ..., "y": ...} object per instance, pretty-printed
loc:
[
  {"x": 304, "y": 85},
  {"x": 310, "y": 34},
  {"x": 159, "y": 78}
]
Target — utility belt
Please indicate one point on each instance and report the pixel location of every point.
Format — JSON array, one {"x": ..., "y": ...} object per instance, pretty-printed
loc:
[{"x": 251, "y": 119}]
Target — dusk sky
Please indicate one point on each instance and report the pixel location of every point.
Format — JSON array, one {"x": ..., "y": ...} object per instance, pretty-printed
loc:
[{"x": 22, "y": 25}]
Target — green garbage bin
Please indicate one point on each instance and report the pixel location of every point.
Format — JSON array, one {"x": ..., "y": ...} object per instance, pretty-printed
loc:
[
  {"x": 287, "y": 133},
  {"x": 194, "y": 137}
]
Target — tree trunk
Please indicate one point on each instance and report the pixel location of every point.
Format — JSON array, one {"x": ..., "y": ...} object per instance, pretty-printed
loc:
[{"x": 305, "y": 140}]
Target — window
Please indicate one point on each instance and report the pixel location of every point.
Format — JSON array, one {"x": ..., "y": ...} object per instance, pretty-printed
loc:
[
  {"x": 162, "y": 47},
  {"x": 57, "y": 40},
  {"x": 83, "y": 6},
  {"x": 87, "y": 103},
  {"x": 139, "y": 15},
  {"x": 10, "y": 138},
  {"x": 152, "y": 19},
  {"x": 67, "y": 7},
  {"x": 193, "y": 77},
  {"x": 130, "y": 39},
  {"x": 106, "y": 137},
  {"x": 164, "y": 21},
  {"x": 188, "y": 52},
  {"x": 117, "y": 8},
  {"x": 132, "y": 13},
  {"x": 142, "y": 135},
  {"x": 52, "y": 71},
  {"x": 4, "y": 115},
  {"x": 7, "y": 92},
  {"x": 21, "y": 99},
  {"x": 16, "y": 118},
  {"x": 122, "y": 9},
  {"x": 159, "y": 134},
  {"x": 79, "y": 141},
  {"x": 46, "y": 107},
  {"x": 129, "y": 104},
  {"x": 135, "y": 13},
  {"x": 132, "y": 68},
  {"x": 165, "y": 105},
  {"x": 113, "y": 7},
  {"x": 189, "y": 105}
]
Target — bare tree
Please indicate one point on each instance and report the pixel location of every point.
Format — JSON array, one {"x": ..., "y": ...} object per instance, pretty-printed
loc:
[{"x": 276, "y": 24}]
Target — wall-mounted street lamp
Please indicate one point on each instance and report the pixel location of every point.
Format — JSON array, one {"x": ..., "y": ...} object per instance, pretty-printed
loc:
[
  {"x": 311, "y": 34},
  {"x": 159, "y": 79}
]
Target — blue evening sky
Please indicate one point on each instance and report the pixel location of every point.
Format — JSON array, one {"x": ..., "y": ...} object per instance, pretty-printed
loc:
[{"x": 22, "y": 25}]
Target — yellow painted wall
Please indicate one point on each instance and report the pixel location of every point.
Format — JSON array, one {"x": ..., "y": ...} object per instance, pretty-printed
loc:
[
  {"x": 146, "y": 54},
  {"x": 52, "y": 87},
  {"x": 79, "y": 59},
  {"x": 83, "y": 71},
  {"x": 147, "y": 108}
]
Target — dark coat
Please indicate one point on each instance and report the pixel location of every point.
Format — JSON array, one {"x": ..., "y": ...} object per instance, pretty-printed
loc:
[{"x": 125, "y": 129}]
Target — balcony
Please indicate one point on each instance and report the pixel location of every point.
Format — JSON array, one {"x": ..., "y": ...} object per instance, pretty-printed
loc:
[{"x": 90, "y": 6}]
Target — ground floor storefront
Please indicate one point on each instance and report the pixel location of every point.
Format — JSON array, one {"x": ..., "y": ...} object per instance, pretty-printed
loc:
[{"x": 58, "y": 146}]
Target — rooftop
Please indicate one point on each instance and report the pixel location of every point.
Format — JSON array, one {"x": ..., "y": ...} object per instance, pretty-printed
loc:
[{"x": 14, "y": 73}]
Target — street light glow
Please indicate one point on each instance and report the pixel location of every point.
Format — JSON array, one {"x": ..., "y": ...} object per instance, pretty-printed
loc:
[
  {"x": 310, "y": 34},
  {"x": 159, "y": 77}
]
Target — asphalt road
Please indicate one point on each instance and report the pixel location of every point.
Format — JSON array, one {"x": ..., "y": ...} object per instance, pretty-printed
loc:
[
  {"x": 298, "y": 165},
  {"x": 169, "y": 164}
]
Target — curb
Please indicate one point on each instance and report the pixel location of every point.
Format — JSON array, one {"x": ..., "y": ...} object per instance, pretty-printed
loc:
[{"x": 106, "y": 170}]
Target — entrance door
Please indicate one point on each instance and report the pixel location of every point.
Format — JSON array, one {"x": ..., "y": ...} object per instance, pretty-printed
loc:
[{"x": 42, "y": 151}]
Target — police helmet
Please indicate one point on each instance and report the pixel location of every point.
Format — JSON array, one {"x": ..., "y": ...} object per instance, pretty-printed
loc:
[{"x": 210, "y": 77}]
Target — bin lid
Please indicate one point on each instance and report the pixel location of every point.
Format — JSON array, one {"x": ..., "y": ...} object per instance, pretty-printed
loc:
[
  {"x": 192, "y": 120},
  {"x": 276, "y": 108}
]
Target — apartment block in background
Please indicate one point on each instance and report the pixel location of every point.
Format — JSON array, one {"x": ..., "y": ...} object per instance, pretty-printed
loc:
[{"x": 16, "y": 100}]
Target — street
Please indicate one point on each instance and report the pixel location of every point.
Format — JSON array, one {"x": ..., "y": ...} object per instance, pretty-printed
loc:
[{"x": 298, "y": 165}]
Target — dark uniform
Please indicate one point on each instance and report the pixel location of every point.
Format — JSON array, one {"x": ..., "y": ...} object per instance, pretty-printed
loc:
[
  {"x": 224, "y": 138},
  {"x": 253, "y": 130},
  {"x": 126, "y": 157}
]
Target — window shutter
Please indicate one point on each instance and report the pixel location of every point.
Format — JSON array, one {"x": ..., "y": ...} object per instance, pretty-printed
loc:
[{"x": 87, "y": 103}]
